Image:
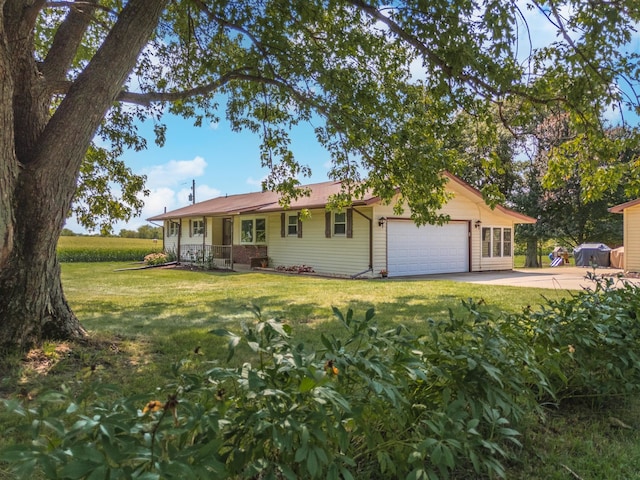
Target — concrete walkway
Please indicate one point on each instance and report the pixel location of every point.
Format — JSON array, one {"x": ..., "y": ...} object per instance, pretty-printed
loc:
[{"x": 558, "y": 278}]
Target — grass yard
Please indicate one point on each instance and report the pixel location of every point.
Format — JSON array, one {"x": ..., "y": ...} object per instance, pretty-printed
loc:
[
  {"x": 170, "y": 311},
  {"x": 142, "y": 321}
]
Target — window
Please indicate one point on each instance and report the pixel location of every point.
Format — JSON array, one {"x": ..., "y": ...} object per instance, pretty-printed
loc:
[
  {"x": 496, "y": 242},
  {"x": 253, "y": 231},
  {"x": 486, "y": 242},
  {"x": 261, "y": 230},
  {"x": 506, "y": 242},
  {"x": 246, "y": 231},
  {"x": 292, "y": 226},
  {"x": 173, "y": 229},
  {"x": 340, "y": 223},
  {"x": 197, "y": 227}
]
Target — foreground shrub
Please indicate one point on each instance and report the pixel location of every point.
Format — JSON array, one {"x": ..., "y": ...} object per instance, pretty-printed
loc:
[
  {"x": 591, "y": 342},
  {"x": 370, "y": 403}
]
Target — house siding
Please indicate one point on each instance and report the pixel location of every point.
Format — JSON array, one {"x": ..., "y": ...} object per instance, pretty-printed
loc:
[
  {"x": 490, "y": 218},
  {"x": 170, "y": 242},
  {"x": 632, "y": 239},
  {"x": 336, "y": 255}
]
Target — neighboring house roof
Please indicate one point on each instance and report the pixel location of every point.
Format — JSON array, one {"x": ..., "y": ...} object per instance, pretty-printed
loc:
[
  {"x": 262, "y": 202},
  {"x": 622, "y": 206}
]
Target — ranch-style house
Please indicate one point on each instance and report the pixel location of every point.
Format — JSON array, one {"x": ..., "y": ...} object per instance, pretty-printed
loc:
[{"x": 365, "y": 240}]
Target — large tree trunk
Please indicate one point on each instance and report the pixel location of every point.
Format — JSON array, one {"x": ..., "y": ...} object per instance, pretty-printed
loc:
[
  {"x": 531, "y": 258},
  {"x": 32, "y": 304},
  {"x": 40, "y": 158}
]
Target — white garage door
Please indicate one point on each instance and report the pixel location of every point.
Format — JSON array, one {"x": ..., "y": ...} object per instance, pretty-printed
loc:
[{"x": 429, "y": 249}]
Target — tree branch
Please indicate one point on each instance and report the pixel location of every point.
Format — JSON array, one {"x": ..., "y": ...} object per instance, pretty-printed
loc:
[
  {"x": 422, "y": 48},
  {"x": 79, "y": 4},
  {"x": 146, "y": 99},
  {"x": 480, "y": 85},
  {"x": 238, "y": 28},
  {"x": 67, "y": 40},
  {"x": 93, "y": 92}
]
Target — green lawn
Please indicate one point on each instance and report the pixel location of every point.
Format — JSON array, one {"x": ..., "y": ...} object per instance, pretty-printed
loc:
[
  {"x": 141, "y": 321},
  {"x": 173, "y": 309}
]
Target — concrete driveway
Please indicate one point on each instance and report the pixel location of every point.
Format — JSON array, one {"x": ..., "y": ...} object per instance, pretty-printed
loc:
[{"x": 558, "y": 278}]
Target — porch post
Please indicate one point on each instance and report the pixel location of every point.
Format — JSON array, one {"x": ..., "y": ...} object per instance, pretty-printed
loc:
[
  {"x": 204, "y": 240},
  {"x": 231, "y": 251},
  {"x": 179, "y": 238}
]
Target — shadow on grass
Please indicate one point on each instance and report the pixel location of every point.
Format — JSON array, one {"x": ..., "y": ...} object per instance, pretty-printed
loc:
[{"x": 175, "y": 328}]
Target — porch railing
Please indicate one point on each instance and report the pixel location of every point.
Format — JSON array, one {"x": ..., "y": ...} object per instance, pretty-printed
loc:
[{"x": 208, "y": 256}]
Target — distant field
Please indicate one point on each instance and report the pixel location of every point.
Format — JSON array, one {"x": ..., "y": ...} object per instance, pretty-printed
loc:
[{"x": 105, "y": 249}]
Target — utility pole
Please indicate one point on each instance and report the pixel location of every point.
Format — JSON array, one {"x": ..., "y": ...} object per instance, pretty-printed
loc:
[{"x": 192, "y": 195}]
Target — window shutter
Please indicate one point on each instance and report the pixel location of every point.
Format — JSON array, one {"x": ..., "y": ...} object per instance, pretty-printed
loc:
[
  {"x": 204, "y": 223},
  {"x": 349, "y": 222},
  {"x": 283, "y": 225},
  {"x": 190, "y": 228},
  {"x": 327, "y": 224},
  {"x": 299, "y": 226}
]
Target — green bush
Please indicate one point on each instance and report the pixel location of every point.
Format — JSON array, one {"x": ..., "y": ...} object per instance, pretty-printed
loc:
[
  {"x": 368, "y": 404},
  {"x": 371, "y": 402},
  {"x": 156, "y": 258},
  {"x": 591, "y": 341}
]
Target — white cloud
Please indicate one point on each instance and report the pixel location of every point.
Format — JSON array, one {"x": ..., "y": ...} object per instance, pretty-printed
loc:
[
  {"x": 175, "y": 172},
  {"x": 205, "y": 192},
  {"x": 158, "y": 200}
]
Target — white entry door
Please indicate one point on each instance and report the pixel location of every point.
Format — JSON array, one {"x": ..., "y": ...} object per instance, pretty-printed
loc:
[{"x": 429, "y": 249}]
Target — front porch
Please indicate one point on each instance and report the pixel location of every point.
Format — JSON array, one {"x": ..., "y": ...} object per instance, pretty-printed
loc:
[{"x": 222, "y": 256}]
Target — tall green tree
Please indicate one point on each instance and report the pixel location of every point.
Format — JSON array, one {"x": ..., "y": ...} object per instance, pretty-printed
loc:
[
  {"x": 75, "y": 71},
  {"x": 570, "y": 182}
]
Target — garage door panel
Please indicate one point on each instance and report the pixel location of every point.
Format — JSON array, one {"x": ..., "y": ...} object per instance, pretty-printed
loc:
[{"x": 413, "y": 250}]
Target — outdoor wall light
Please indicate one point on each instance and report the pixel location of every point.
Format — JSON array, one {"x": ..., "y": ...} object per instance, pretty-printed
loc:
[
  {"x": 478, "y": 223},
  {"x": 381, "y": 221}
]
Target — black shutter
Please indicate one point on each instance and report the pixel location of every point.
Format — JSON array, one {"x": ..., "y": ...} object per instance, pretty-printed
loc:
[
  {"x": 350, "y": 223},
  {"x": 299, "y": 226},
  {"x": 283, "y": 225},
  {"x": 327, "y": 224}
]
